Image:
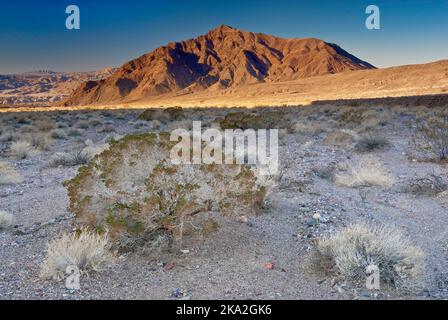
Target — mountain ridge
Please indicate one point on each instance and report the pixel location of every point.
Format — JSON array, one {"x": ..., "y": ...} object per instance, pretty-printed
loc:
[{"x": 221, "y": 59}]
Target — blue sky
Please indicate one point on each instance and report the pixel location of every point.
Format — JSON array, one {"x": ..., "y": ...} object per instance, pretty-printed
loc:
[{"x": 33, "y": 34}]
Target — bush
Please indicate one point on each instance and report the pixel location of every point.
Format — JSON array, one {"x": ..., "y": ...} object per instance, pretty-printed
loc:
[
  {"x": 80, "y": 157},
  {"x": 255, "y": 120},
  {"x": 371, "y": 143},
  {"x": 325, "y": 172},
  {"x": 65, "y": 159},
  {"x": 94, "y": 122},
  {"x": 6, "y": 219},
  {"x": 8, "y": 136},
  {"x": 75, "y": 133},
  {"x": 351, "y": 250},
  {"x": 41, "y": 141},
  {"x": 8, "y": 175},
  {"x": 307, "y": 128},
  {"x": 163, "y": 114},
  {"x": 22, "y": 150},
  {"x": 352, "y": 117},
  {"x": 91, "y": 149},
  {"x": 59, "y": 134},
  {"x": 22, "y": 118},
  {"x": 365, "y": 174},
  {"x": 85, "y": 249},
  {"x": 133, "y": 190},
  {"x": 106, "y": 128},
  {"x": 44, "y": 124},
  {"x": 343, "y": 138},
  {"x": 428, "y": 186},
  {"x": 432, "y": 135},
  {"x": 82, "y": 124}
]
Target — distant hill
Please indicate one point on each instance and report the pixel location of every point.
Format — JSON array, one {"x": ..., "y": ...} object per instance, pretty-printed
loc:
[{"x": 43, "y": 87}]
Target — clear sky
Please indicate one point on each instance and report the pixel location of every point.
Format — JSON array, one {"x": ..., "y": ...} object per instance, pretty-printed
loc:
[{"x": 33, "y": 34}]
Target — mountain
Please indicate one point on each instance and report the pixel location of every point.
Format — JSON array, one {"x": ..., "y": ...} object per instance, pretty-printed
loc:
[
  {"x": 43, "y": 87},
  {"x": 424, "y": 84},
  {"x": 221, "y": 59}
]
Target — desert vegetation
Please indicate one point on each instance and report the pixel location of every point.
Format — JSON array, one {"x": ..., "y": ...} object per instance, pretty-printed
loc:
[
  {"x": 6, "y": 220},
  {"x": 359, "y": 185},
  {"x": 432, "y": 135},
  {"x": 8, "y": 175},
  {"x": 84, "y": 249},
  {"x": 139, "y": 198},
  {"x": 366, "y": 173},
  {"x": 350, "y": 251}
]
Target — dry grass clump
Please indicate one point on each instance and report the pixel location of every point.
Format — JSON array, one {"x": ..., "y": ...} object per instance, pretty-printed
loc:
[
  {"x": 94, "y": 122},
  {"x": 431, "y": 138},
  {"x": 8, "y": 175},
  {"x": 81, "y": 157},
  {"x": 371, "y": 143},
  {"x": 9, "y": 135},
  {"x": 44, "y": 124},
  {"x": 107, "y": 128},
  {"x": 58, "y": 134},
  {"x": 22, "y": 150},
  {"x": 75, "y": 133},
  {"x": 443, "y": 198},
  {"x": 41, "y": 141},
  {"x": 163, "y": 114},
  {"x": 65, "y": 159},
  {"x": 349, "y": 252},
  {"x": 85, "y": 249},
  {"x": 351, "y": 116},
  {"x": 366, "y": 173},
  {"x": 82, "y": 124},
  {"x": 307, "y": 129},
  {"x": 6, "y": 220},
  {"x": 343, "y": 138},
  {"x": 139, "y": 124},
  {"x": 255, "y": 119},
  {"x": 427, "y": 186},
  {"x": 325, "y": 172},
  {"x": 62, "y": 125},
  {"x": 22, "y": 118},
  {"x": 375, "y": 119},
  {"x": 91, "y": 149}
]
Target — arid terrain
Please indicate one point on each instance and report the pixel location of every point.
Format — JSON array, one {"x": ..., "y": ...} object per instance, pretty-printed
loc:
[
  {"x": 268, "y": 256},
  {"x": 85, "y": 179},
  {"x": 225, "y": 67},
  {"x": 42, "y": 88}
]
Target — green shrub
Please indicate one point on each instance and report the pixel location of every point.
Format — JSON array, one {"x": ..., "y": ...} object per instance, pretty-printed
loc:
[{"x": 133, "y": 190}]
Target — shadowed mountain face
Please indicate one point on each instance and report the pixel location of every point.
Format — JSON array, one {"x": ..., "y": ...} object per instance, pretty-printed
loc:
[{"x": 223, "y": 58}]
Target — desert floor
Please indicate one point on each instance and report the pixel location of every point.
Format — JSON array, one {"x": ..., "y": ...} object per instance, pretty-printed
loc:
[{"x": 231, "y": 263}]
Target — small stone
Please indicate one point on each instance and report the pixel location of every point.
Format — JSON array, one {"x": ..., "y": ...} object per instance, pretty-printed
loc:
[
  {"x": 311, "y": 222},
  {"x": 340, "y": 289},
  {"x": 168, "y": 266},
  {"x": 177, "y": 293}
]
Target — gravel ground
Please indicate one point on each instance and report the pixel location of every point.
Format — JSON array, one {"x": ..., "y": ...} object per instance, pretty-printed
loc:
[{"x": 230, "y": 264}]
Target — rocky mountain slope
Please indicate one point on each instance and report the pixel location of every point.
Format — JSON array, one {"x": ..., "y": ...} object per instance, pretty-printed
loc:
[{"x": 223, "y": 58}]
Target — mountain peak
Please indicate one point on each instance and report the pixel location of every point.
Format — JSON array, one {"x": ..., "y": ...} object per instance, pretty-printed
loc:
[
  {"x": 224, "y": 27},
  {"x": 226, "y": 57}
]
